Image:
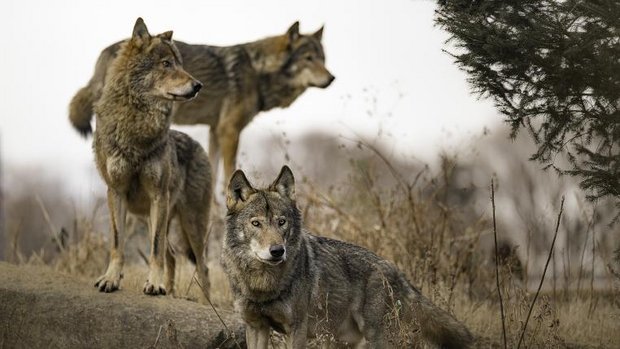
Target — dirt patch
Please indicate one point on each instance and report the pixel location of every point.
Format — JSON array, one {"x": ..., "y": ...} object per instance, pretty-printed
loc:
[{"x": 40, "y": 308}]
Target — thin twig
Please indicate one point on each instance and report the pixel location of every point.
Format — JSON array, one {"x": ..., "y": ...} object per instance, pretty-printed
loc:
[
  {"x": 17, "y": 256},
  {"x": 499, "y": 291},
  {"x": 591, "y": 308},
  {"x": 158, "y": 335},
  {"x": 191, "y": 282},
  {"x": 542, "y": 279},
  {"x": 143, "y": 256},
  {"x": 48, "y": 220},
  {"x": 583, "y": 252},
  {"x": 230, "y": 333}
]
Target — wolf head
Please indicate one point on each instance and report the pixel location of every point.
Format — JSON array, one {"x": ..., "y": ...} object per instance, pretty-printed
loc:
[
  {"x": 299, "y": 56},
  {"x": 154, "y": 67},
  {"x": 306, "y": 61},
  {"x": 263, "y": 224}
]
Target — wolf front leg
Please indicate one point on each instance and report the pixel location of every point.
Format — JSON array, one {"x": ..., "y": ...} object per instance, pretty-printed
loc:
[
  {"x": 229, "y": 143},
  {"x": 257, "y": 337},
  {"x": 214, "y": 155},
  {"x": 233, "y": 118},
  {"x": 111, "y": 280},
  {"x": 298, "y": 337},
  {"x": 158, "y": 224}
]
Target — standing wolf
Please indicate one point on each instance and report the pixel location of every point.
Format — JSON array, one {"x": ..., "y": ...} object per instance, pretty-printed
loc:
[
  {"x": 148, "y": 168},
  {"x": 286, "y": 279},
  {"x": 240, "y": 81}
]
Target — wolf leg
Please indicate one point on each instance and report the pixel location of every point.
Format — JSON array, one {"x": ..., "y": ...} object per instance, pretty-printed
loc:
[
  {"x": 159, "y": 231},
  {"x": 169, "y": 267},
  {"x": 110, "y": 281},
  {"x": 228, "y": 130},
  {"x": 194, "y": 225},
  {"x": 214, "y": 155},
  {"x": 257, "y": 337},
  {"x": 298, "y": 337}
]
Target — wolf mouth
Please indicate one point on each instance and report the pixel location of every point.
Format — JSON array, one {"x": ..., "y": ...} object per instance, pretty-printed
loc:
[
  {"x": 270, "y": 261},
  {"x": 184, "y": 97}
]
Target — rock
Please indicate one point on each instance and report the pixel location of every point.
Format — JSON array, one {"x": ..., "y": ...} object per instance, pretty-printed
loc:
[{"x": 40, "y": 308}]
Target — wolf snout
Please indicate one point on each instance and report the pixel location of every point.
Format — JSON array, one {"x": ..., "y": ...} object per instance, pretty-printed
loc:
[
  {"x": 277, "y": 251},
  {"x": 329, "y": 81}
]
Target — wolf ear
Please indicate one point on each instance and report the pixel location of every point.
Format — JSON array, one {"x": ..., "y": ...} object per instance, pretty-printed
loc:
[
  {"x": 293, "y": 32},
  {"x": 319, "y": 34},
  {"x": 285, "y": 183},
  {"x": 140, "y": 32},
  {"x": 166, "y": 35},
  {"x": 239, "y": 189}
]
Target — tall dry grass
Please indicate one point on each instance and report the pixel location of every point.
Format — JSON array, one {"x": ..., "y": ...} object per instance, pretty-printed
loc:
[
  {"x": 439, "y": 249},
  {"x": 408, "y": 219}
]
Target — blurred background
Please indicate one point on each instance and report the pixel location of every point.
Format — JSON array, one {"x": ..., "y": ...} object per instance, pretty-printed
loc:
[
  {"x": 394, "y": 88},
  {"x": 396, "y": 155},
  {"x": 398, "y": 126}
]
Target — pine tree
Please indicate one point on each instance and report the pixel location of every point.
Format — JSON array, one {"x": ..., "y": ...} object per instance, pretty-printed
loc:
[{"x": 553, "y": 69}]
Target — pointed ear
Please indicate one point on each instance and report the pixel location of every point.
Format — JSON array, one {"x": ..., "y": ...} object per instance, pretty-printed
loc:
[
  {"x": 293, "y": 32},
  {"x": 140, "y": 32},
  {"x": 285, "y": 183},
  {"x": 166, "y": 35},
  {"x": 319, "y": 33},
  {"x": 239, "y": 190}
]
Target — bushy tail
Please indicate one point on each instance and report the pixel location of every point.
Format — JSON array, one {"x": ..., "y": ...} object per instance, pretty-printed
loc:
[
  {"x": 438, "y": 326},
  {"x": 81, "y": 106},
  {"x": 81, "y": 110}
]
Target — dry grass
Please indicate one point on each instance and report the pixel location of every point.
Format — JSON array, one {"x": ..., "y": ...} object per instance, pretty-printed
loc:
[{"x": 410, "y": 224}]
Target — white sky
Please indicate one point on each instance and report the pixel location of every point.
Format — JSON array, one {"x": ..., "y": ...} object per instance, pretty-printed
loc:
[{"x": 388, "y": 50}]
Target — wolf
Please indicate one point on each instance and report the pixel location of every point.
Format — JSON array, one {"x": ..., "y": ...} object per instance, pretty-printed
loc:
[
  {"x": 284, "y": 278},
  {"x": 240, "y": 81},
  {"x": 149, "y": 169}
]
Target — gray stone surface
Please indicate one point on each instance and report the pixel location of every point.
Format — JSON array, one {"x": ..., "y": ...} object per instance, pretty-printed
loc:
[{"x": 40, "y": 308}]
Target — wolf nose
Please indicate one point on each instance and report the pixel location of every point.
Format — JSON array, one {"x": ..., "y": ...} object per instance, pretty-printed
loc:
[
  {"x": 329, "y": 81},
  {"x": 197, "y": 86},
  {"x": 276, "y": 251}
]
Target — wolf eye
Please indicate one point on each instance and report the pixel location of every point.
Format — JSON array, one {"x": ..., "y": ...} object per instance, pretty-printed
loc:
[
  {"x": 281, "y": 221},
  {"x": 166, "y": 64},
  {"x": 309, "y": 58},
  {"x": 256, "y": 223}
]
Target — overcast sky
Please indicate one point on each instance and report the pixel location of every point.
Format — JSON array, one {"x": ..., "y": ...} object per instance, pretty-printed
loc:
[{"x": 387, "y": 57}]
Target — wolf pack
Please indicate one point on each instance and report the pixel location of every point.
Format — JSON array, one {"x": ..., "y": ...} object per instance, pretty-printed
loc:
[{"x": 283, "y": 277}]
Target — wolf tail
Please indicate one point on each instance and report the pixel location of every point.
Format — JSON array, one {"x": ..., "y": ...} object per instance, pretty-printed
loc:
[
  {"x": 81, "y": 110},
  {"x": 437, "y": 325},
  {"x": 81, "y": 106}
]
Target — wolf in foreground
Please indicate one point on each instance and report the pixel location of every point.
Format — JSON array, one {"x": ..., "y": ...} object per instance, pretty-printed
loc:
[
  {"x": 240, "y": 81},
  {"x": 149, "y": 169},
  {"x": 302, "y": 285}
]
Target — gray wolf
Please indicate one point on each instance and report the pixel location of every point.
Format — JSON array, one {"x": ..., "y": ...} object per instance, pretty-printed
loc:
[
  {"x": 240, "y": 81},
  {"x": 149, "y": 169},
  {"x": 286, "y": 279}
]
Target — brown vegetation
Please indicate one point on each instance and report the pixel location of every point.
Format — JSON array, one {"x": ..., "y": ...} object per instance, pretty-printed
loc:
[{"x": 426, "y": 223}]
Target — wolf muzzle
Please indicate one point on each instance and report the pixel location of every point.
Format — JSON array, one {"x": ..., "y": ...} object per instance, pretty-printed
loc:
[{"x": 329, "y": 81}]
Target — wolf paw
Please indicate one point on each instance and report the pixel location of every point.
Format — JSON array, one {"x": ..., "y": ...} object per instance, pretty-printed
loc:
[
  {"x": 108, "y": 283},
  {"x": 154, "y": 290}
]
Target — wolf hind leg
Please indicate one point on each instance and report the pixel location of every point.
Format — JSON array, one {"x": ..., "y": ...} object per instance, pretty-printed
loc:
[
  {"x": 169, "y": 268},
  {"x": 194, "y": 228}
]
